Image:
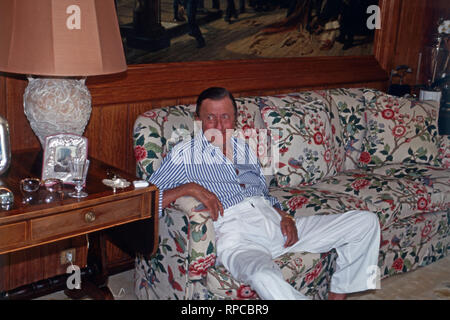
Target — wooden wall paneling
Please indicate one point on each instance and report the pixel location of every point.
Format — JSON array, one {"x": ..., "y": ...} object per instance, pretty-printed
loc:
[
  {"x": 112, "y": 139},
  {"x": 22, "y": 136},
  {"x": 406, "y": 28},
  {"x": 117, "y": 258},
  {"x": 94, "y": 133},
  {"x": 19, "y": 272},
  {"x": 25, "y": 267},
  {"x": 175, "y": 80},
  {"x": 385, "y": 41},
  {"x": 410, "y": 39},
  {"x": 187, "y": 100},
  {"x": 105, "y": 133},
  {"x": 37, "y": 263},
  {"x": 51, "y": 254},
  {"x": 159, "y": 103},
  {"x": 4, "y": 271}
]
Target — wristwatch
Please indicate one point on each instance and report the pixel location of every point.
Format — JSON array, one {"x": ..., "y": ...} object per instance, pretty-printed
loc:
[{"x": 289, "y": 217}]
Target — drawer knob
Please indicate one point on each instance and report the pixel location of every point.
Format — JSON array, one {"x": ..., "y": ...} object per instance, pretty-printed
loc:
[{"x": 89, "y": 216}]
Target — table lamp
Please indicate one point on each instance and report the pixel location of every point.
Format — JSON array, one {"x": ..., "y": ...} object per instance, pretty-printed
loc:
[{"x": 60, "y": 43}]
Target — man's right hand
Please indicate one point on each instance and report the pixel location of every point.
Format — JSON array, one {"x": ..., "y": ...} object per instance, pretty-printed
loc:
[{"x": 209, "y": 200}]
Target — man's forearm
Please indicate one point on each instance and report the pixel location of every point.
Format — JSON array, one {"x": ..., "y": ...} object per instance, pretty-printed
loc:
[
  {"x": 171, "y": 195},
  {"x": 209, "y": 200}
]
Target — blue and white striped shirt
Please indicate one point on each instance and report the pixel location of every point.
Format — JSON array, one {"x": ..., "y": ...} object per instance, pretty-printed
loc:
[{"x": 196, "y": 160}]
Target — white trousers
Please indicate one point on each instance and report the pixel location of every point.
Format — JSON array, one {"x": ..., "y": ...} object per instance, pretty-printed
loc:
[{"x": 248, "y": 238}]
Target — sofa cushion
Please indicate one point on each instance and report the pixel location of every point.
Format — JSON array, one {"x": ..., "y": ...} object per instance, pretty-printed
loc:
[
  {"x": 392, "y": 198},
  {"x": 250, "y": 128},
  {"x": 305, "y": 138},
  {"x": 307, "y": 201},
  {"x": 419, "y": 172},
  {"x": 399, "y": 130},
  {"x": 249, "y": 115},
  {"x": 350, "y": 106}
]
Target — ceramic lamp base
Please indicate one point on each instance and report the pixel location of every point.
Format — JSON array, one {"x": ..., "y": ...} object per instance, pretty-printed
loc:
[{"x": 57, "y": 105}]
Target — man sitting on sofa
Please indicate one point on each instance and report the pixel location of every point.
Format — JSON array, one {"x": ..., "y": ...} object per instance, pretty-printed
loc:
[{"x": 223, "y": 173}]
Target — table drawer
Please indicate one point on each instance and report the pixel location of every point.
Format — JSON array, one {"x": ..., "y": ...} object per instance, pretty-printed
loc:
[
  {"x": 12, "y": 234},
  {"x": 86, "y": 219}
]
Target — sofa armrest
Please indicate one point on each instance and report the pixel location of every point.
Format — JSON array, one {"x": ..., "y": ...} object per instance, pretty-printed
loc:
[{"x": 202, "y": 238}]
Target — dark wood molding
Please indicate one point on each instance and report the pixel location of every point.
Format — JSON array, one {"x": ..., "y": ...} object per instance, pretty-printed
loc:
[{"x": 175, "y": 80}]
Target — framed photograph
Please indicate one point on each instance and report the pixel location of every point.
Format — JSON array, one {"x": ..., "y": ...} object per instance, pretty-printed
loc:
[{"x": 58, "y": 151}]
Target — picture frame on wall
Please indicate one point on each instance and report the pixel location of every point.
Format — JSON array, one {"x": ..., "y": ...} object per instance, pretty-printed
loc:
[
  {"x": 58, "y": 151},
  {"x": 254, "y": 30}
]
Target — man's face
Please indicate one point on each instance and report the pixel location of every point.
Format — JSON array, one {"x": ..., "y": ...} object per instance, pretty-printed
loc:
[{"x": 217, "y": 116}]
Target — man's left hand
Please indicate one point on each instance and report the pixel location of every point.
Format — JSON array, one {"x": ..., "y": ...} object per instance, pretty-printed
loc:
[{"x": 288, "y": 228}]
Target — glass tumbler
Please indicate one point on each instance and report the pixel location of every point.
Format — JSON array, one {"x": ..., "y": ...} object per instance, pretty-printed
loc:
[
  {"x": 54, "y": 190},
  {"x": 29, "y": 188}
]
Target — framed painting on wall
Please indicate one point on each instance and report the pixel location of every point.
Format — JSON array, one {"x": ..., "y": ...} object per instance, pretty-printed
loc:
[{"x": 200, "y": 30}]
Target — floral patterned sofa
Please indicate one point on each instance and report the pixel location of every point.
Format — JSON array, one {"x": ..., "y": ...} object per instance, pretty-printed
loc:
[{"x": 330, "y": 151}]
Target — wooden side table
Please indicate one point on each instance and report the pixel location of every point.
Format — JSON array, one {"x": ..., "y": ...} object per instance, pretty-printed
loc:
[{"x": 28, "y": 225}]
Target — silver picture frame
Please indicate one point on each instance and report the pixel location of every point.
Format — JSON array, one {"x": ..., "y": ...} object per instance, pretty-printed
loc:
[{"x": 58, "y": 151}]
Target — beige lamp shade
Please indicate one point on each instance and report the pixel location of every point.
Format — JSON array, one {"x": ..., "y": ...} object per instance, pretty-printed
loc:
[{"x": 60, "y": 37}]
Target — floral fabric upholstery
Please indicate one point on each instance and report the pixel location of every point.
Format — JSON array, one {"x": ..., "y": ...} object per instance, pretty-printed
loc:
[
  {"x": 183, "y": 266},
  {"x": 156, "y": 132},
  {"x": 309, "y": 200},
  {"x": 392, "y": 198},
  {"x": 249, "y": 116},
  {"x": 303, "y": 121},
  {"x": 412, "y": 200},
  {"x": 350, "y": 106},
  {"x": 399, "y": 130},
  {"x": 165, "y": 274},
  {"x": 307, "y": 272},
  {"x": 444, "y": 151},
  {"x": 414, "y": 242},
  {"x": 322, "y": 199}
]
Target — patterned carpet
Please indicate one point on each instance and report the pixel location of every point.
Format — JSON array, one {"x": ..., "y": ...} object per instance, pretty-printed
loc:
[{"x": 427, "y": 283}]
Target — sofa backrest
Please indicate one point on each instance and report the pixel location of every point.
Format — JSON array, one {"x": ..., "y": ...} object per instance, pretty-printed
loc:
[
  {"x": 350, "y": 106},
  {"x": 306, "y": 132},
  {"x": 400, "y": 130},
  {"x": 312, "y": 134}
]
